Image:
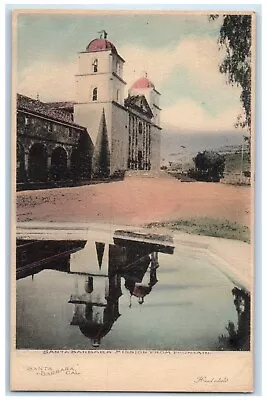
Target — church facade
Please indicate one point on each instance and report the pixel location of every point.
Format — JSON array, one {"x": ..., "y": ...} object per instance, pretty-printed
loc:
[{"x": 123, "y": 133}]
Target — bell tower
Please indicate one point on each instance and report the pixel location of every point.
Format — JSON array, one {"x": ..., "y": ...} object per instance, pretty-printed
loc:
[
  {"x": 144, "y": 86},
  {"x": 99, "y": 84}
]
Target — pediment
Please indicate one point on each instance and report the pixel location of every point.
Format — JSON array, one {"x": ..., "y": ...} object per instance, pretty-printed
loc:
[{"x": 139, "y": 103}]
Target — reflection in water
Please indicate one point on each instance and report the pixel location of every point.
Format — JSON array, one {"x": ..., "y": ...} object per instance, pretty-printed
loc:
[
  {"x": 96, "y": 305},
  {"x": 141, "y": 277},
  {"x": 97, "y": 273},
  {"x": 238, "y": 338},
  {"x": 32, "y": 256},
  {"x": 97, "y": 308}
]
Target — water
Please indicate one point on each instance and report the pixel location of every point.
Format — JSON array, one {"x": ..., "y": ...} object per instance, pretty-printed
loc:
[{"x": 86, "y": 294}]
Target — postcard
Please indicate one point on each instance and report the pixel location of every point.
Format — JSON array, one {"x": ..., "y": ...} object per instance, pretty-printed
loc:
[{"x": 133, "y": 135}]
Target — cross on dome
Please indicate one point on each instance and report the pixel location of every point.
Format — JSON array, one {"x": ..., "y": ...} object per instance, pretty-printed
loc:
[{"x": 101, "y": 43}]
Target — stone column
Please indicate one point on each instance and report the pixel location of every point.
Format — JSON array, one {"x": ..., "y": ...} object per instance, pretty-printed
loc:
[
  {"x": 146, "y": 128},
  {"x": 49, "y": 162},
  {"x": 133, "y": 139},
  {"x": 26, "y": 164},
  {"x": 130, "y": 142},
  {"x": 149, "y": 147},
  {"x": 68, "y": 161},
  {"x": 49, "y": 167},
  {"x": 143, "y": 144},
  {"x": 134, "y": 142},
  {"x": 144, "y": 147},
  {"x": 26, "y": 161},
  {"x": 68, "y": 172}
]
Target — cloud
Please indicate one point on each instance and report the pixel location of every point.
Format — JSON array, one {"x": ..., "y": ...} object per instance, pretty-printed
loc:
[
  {"x": 52, "y": 81},
  {"x": 186, "y": 115},
  {"x": 200, "y": 56},
  {"x": 55, "y": 81}
]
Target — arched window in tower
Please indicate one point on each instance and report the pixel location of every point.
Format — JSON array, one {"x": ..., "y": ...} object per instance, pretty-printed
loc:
[
  {"x": 94, "y": 97},
  {"x": 118, "y": 95},
  {"x": 95, "y": 65},
  {"x": 140, "y": 127}
]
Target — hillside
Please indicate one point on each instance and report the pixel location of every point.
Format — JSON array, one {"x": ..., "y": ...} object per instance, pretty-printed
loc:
[{"x": 182, "y": 146}]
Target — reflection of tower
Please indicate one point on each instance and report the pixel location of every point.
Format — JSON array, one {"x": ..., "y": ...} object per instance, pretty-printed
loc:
[
  {"x": 95, "y": 316},
  {"x": 97, "y": 308},
  {"x": 141, "y": 276}
]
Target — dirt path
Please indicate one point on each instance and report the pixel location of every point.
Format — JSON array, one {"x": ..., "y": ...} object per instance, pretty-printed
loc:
[{"x": 136, "y": 201}]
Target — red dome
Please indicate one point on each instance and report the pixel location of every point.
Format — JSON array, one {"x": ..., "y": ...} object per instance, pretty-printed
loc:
[
  {"x": 100, "y": 45},
  {"x": 143, "y": 83}
]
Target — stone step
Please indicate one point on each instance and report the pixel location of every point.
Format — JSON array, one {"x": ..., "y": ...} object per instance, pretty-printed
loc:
[{"x": 146, "y": 174}]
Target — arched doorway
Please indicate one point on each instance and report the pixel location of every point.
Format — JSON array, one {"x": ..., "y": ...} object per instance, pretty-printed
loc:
[
  {"x": 59, "y": 164},
  {"x": 37, "y": 169},
  {"x": 20, "y": 168}
]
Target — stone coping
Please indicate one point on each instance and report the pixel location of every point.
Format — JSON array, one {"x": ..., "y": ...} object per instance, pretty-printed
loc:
[{"x": 233, "y": 257}]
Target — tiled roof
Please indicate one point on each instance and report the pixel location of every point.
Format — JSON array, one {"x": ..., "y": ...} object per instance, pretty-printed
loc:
[
  {"x": 143, "y": 83},
  {"x": 61, "y": 104},
  {"x": 46, "y": 110},
  {"x": 100, "y": 45}
]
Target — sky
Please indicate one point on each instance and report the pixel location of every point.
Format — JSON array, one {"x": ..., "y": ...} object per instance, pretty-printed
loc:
[{"x": 179, "y": 53}]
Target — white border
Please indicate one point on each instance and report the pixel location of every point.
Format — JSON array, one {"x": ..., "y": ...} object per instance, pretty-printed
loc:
[{"x": 5, "y": 148}]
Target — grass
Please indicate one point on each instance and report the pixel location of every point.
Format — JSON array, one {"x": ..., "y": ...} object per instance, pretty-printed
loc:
[{"x": 207, "y": 227}]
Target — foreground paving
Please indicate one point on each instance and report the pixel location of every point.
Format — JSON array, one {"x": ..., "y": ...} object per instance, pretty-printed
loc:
[{"x": 136, "y": 201}]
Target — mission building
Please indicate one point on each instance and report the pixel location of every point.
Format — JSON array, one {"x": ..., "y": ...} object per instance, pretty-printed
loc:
[{"x": 101, "y": 134}]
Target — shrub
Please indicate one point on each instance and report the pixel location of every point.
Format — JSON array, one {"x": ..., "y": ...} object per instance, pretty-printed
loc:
[{"x": 209, "y": 167}]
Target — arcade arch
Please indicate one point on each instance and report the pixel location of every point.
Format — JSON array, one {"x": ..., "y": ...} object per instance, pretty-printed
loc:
[
  {"x": 37, "y": 168},
  {"x": 59, "y": 161}
]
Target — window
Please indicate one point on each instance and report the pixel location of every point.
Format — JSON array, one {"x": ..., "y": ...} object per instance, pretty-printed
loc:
[
  {"x": 94, "y": 97},
  {"x": 140, "y": 127},
  {"x": 54, "y": 127},
  {"x": 95, "y": 65},
  {"x": 26, "y": 121}
]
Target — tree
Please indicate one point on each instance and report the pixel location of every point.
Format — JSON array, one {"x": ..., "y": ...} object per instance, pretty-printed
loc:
[
  {"x": 209, "y": 167},
  {"x": 235, "y": 37},
  {"x": 101, "y": 156}
]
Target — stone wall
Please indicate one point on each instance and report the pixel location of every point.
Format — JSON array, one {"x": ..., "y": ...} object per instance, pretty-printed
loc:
[{"x": 46, "y": 148}]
